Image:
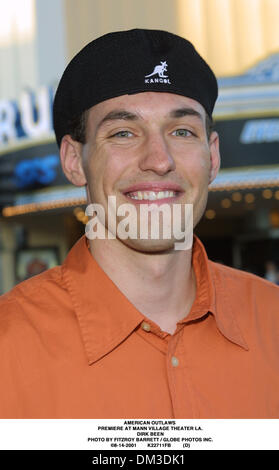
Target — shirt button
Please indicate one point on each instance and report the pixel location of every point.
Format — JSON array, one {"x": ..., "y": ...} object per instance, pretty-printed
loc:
[
  {"x": 174, "y": 361},
  {"x": 145, "y": 326}
]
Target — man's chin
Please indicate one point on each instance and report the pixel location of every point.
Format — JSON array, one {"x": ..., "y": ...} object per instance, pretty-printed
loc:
[{"x": 150, "y": 246}]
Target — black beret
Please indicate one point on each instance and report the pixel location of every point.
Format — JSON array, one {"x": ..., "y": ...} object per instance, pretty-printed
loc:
[{"x": 127, "y": 62}]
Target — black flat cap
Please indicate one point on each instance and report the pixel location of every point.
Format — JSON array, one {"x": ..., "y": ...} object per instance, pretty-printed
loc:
[{"x": 128, "y": 62}]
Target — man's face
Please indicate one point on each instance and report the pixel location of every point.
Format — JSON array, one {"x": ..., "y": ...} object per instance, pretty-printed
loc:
[{"x": 148, "y": 148}]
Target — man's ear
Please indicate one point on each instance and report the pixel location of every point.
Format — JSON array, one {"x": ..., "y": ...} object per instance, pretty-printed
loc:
[
  {"x": 71, "y": 160},
  {"x": 214, "y": 156}
]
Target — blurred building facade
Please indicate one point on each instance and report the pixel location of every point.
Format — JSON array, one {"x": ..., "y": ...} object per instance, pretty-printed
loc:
[{"x": 42, "y": 214}]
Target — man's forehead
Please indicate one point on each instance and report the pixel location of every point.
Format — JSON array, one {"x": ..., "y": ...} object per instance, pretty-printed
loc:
[{"x": 146, "y": 103}]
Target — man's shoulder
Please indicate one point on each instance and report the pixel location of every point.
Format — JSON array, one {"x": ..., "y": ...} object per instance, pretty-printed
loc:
[
  {"x": 247, "y": 294},
  {"x": 33, "y": 326},
  {"x": 33, "y": 286},
  {"x": 241, "y": 278},
  {"x": 32, "y": 294}
]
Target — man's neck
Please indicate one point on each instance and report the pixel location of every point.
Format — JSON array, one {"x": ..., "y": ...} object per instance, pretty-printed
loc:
[{"x": 162, "y": 286}]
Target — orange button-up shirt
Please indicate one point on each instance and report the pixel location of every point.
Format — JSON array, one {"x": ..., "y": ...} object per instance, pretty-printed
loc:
[{"x": 73, "y": 346}]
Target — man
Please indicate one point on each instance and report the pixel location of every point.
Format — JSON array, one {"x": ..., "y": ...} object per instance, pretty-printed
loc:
[{"x": 132, "y": 327}]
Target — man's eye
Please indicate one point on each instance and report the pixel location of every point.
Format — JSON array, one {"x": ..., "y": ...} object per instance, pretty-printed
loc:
[
  {"x": 182, "y": 132},
  {"x": 122, "y": 134}
]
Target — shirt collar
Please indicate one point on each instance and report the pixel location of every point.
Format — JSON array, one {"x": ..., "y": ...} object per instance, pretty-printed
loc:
[
  {"x": 106, "y": 317},
  {"x": 213, "y": 294}
]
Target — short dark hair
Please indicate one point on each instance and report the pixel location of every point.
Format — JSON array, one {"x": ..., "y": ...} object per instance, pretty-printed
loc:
[
  {"x": 77, "y": 127},
  {"x": 209, "y": 125}
]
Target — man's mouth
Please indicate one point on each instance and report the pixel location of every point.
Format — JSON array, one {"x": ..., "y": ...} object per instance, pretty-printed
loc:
[{"x": 153, "y": 193}]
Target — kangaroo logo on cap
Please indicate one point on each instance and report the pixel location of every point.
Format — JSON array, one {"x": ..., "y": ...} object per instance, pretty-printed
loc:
[{"x": 159, "y": 71}]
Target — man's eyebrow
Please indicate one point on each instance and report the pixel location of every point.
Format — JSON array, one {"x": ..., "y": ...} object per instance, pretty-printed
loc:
[
  {"x": 126, "y": 115},
  {"x": 181, "y": 112},
  {"x": 118, "y": 114}
]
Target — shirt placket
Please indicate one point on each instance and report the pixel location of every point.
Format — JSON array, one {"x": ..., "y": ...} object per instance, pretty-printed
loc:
[
  {"x": 176, "y": 366},
  {"x": 179, "y": 386}
]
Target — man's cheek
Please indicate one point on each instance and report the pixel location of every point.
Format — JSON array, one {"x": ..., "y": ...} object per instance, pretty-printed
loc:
[{"x": 200, "y": 173}]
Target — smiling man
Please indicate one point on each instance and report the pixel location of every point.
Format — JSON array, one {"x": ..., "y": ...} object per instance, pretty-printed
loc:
[{"x": 130, "y": 327}]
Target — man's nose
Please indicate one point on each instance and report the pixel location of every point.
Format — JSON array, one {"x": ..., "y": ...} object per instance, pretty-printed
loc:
[{"x": 156, "y": 155}]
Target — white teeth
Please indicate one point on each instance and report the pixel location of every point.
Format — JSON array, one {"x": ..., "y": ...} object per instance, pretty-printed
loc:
[{"x": 152, "y": 195}]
